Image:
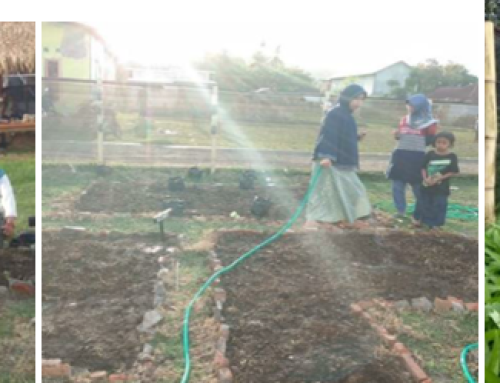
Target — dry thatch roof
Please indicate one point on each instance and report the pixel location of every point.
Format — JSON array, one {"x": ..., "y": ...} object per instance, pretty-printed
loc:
[{"x": 17, "y": 47}]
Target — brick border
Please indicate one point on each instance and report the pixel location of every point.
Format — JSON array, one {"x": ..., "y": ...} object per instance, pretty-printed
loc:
[
  {"x": 221, "y": 364},
  {"x": 440, "y": 305}
]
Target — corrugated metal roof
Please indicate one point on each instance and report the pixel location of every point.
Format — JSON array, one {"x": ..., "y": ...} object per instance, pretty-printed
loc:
[{"x": 465, "y": 94}]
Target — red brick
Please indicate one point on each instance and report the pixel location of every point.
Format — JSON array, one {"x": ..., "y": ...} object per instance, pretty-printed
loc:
[
  {"x": 356, "y": 309},
  {"x": 365, "y": 305},
  {"x": 400, "y": 349},
  {"x": 381, "y": 331},
  {"x": 51, "y": 362},
  {"x": 56, "y": 369},
  {"x": 389, "y": 304},
  {"x": 225, "y": 376},
  {"x": 367, "y": 316},
  {"x": 23, "y": 288},
  {"x": 442, "y": 305},
  {"x": 220, "y": 361},
  {"x": 383, "y": 303},
  {"x": 472, "y": 306},
  {"x": 389, "y": 339},
  {"x": 453, "y": 299},
  {"x": 415, "y": 370},
  {"x": 118, "y": 378},
  {"x": 99, "y": 375}
]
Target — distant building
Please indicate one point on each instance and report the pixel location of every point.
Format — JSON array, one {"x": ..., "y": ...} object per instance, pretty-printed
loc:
[
  {"x": 459, "y": 94},
  {"x": 75, "y": 51},
  {"x": 166, "y": 74},
  {"x": 375, "y": 82}
]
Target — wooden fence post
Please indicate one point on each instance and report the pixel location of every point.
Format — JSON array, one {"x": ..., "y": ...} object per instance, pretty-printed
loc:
[{"x": 490, "y": 123}]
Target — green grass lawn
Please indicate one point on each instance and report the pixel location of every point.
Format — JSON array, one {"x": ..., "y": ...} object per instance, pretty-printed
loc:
[
  {"x": 263, "y": 135},
  {"x": 437, "y": 341},
  {"x": 17, "y": 342}
]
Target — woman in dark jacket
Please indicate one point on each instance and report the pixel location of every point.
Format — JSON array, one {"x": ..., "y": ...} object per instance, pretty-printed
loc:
[{"x": 339, "y": 196}]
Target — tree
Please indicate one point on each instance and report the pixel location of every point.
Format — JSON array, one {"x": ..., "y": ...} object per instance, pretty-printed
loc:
[
  {"x": 235, "y": 74},
  {"x": 428, "y": 76},
  {"x": 397, "y": 91}
]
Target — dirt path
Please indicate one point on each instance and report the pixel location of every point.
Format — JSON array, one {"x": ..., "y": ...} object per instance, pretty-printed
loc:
[{"x": 137, "y": 153}]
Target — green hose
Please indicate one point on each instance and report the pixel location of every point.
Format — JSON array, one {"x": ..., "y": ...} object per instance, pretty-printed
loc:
[
  {"x": 463, "y": 362},
  {"x": 206, "y": 285}
]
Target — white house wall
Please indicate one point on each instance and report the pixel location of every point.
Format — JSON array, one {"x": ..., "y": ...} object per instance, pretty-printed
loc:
[
  {"x": 366, "y": 82},
  {"x": 100, "y": 58},
  {"x": 399, "y": 72}
]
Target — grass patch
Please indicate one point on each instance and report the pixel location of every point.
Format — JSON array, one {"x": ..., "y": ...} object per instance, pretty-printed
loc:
[
  {"x": 261, "y": 135},
  {"x": 437, "y": 341},
  {"x": 17, "y": 342}
]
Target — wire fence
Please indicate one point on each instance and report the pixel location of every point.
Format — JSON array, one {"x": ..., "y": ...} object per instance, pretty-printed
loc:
[{"x": 141, "y": 119}]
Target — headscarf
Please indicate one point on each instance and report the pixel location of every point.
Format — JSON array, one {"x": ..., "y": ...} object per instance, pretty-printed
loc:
[
  {"x": 421, "y": 117},
  {"x": 350, "y": 93}
]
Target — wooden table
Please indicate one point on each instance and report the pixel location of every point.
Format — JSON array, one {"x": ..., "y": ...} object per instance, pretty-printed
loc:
[{"x": 17, "y": 126}]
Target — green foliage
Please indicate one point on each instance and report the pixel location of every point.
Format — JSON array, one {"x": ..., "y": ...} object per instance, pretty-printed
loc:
[
  {"x": 430, "y": 75},
  {"x": 492, "y": 301},
  {"x": 397, "y": 91},
  {"x": 491, "y": 10},
  {"x": 235, "y": 74}
]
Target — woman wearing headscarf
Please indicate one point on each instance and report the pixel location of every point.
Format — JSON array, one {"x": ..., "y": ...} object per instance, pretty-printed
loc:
[
  {"x": 339, "y": 196},
  {"x": 415, "y": 132}
]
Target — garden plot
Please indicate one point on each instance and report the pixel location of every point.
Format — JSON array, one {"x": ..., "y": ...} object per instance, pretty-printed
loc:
[
  {"x": 18, "y": 263},
  {"x": 199, "y": 199},
  {"x": 288, "y": 307},
  {"x": 96, "y": 291}
]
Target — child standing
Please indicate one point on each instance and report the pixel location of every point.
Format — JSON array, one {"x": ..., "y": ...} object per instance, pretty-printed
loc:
[
  {"x": 439, "y": 166},
  {"x": 339, "y": 195},
  {"x": 415, "y": 132}
]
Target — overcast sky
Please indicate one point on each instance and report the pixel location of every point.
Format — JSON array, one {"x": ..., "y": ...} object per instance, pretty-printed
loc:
[{"x": 330, "y": 50}]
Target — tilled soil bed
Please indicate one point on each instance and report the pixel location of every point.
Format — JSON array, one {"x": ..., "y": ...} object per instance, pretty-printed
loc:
[
  {"x": 200, "y": 200},
  {"x": 19, "y": 263},
  {"x": 288, "y": 306},
  {"x": 96, "y": 291}
]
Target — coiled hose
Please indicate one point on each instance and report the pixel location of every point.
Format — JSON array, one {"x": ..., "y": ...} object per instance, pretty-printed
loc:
[
  {"x": 206, "y": 285},
  {"x": 463, "y": 362}
]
